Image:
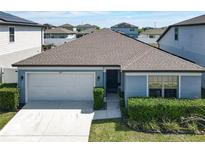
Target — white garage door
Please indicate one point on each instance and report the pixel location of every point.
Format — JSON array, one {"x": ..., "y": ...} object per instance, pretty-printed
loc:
[{"x": 60, "y": 86}]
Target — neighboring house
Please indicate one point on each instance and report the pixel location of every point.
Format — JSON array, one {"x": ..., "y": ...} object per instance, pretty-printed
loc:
[
  {"x": 58, "y": 36},
  {"x": 110, "y": 60},
  {"x": 85, "y": 32},
  {"x": 68, "y": 26},
  {"x": 186, "y": 39},
  {"x": 80, "y": 28},
  {"x": 19, "y": 39},
  {"x": 151, "y": 36},
  {"x": 48, "y": 26},
  {"x": 127, "y": 29}
]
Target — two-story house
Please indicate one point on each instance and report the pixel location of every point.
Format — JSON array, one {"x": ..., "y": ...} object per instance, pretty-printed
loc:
[
  {"x": 19, "y": 39},
  {"x": 127, "y": 29},
  {"x": 186, "y": 39},
  {"x": 58, "y": 36}
]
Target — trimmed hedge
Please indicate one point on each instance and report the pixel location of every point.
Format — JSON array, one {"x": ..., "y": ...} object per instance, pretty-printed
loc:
[
  {"x": 159, "y": 109},
  {"x": 98, "y": 94},
  {"x": 9, "y": 97}
]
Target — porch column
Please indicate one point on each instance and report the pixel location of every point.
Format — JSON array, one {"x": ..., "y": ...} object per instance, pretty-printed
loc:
[{"x": 104, "y": 81}]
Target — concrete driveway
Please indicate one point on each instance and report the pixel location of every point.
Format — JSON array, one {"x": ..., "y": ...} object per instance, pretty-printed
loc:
[{"x": 50, "y": 121}]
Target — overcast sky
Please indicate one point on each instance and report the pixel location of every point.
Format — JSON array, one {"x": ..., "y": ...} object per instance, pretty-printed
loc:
[{"x": 107, "y": 19}]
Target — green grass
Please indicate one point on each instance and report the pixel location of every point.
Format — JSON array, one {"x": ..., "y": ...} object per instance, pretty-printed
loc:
[
  {"x": 5, "y": 117},
  {"x": 115, "y": 131}
]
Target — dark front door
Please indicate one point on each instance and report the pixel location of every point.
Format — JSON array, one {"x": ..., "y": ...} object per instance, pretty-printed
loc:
[{"x": 112, "y": 81}]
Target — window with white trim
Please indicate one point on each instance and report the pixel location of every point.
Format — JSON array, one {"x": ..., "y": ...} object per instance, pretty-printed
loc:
[
  {"x": 176, "y": 34},
  {"x": 11, "y": 34},
  {"x": 163, "y": 86}
]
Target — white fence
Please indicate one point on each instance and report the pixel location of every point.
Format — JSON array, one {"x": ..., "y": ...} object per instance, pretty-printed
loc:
[{"x": 8, "y": 75}]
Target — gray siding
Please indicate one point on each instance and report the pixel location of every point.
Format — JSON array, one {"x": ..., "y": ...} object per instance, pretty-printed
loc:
[
  {"x": 190, "y": 44},
  {"x": 190, "y": 87},
  {"x": 21, "y": 82},
  {"x": 135, "y": 86}
]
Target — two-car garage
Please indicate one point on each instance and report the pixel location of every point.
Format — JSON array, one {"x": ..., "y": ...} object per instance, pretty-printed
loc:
[{"x": 59, "y": 86}]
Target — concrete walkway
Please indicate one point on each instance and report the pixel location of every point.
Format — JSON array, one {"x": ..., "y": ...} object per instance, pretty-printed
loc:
[
  {"x": 50, "y": 121},
  {"x": 57, "y": 121},
  {"x": 113, "y": 108}
]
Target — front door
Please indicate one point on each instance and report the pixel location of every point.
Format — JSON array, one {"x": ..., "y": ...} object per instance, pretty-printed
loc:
[{"x": 112, "y": 81}]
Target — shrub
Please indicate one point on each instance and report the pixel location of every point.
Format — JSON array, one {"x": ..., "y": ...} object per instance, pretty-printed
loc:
[
  {"x": 9, "y": 97},
  {"x": 98, "y": 94},
  {"x": 159, "y": 109},
  {"x": 171, "y": 127}
]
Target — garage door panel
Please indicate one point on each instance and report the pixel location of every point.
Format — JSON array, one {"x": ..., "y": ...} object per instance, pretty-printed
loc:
[{"x": 60, "y": 86}]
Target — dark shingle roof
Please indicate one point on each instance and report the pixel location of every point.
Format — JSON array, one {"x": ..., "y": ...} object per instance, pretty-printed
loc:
[
  {"x": 124, "y": 25},
  {"x": 200, "y": 20},
  {"x": 108, "y": 48},
  {"x": 66, "y": 25},
  {"x": 193, "y": 21},
  {"x": 59, "y": 30},
  {"x": 86, "y": 26},
  {"x": 6, "y": 18}
]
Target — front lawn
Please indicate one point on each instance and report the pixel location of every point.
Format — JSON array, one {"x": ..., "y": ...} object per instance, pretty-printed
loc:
[
  {"x": 5, "y": 117},
  {"x": 115, "y": 131}
]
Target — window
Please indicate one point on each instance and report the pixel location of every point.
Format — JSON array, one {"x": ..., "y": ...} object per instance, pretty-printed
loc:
[
  {"x": 132, "y": 29},
  {"x": 46, "y": 35},
  {"x": 11, "y": 34},
  {"x": 176, "y": 31},
  {"x": 163, "y": 86},
  {"x": 151, "y": 36}
]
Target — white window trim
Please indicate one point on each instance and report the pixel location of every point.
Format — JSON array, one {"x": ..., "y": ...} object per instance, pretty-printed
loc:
[
  {"x": 27, "y": 73},
  {"x": 14, "y": 34}
]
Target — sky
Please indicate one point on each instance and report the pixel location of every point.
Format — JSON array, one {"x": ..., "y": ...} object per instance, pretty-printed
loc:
[{"x": 108, "y": 19}]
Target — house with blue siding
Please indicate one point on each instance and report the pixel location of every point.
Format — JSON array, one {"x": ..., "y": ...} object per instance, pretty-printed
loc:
[
  {"x": 186, "y": 39},
  {"x": 127, "y": 29},
  {"x": 110, "y": 60}
]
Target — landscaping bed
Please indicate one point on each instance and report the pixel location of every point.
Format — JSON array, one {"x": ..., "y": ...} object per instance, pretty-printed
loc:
[{"x": 158, "y": 115}]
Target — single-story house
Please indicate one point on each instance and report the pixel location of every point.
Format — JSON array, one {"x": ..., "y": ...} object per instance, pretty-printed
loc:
[
  {"x": 150, "y": 36},
  {"x": 106, "y": 59}
]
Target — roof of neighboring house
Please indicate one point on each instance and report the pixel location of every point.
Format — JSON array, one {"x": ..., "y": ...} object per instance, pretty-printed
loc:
[
  {"x": 108, "y": 48},
  {"x": 124, "y": 25},
  {"x": 9, "y": 19},
  {"x": 66, "y": 25},
  {"x": 200, "y": 20},
  {"x": 154, "y": 31},
  {"x": 86, "y": 26},
  {"x": 88, "y": 31},
  {"x": 59, "y": 30}
]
